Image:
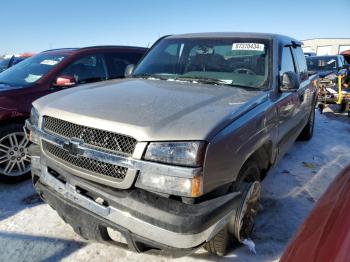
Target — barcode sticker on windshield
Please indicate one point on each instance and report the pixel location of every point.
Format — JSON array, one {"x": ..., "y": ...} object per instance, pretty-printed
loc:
[
  {"x": 49, "y": 62},
  {"x": 248, "y": 46}
]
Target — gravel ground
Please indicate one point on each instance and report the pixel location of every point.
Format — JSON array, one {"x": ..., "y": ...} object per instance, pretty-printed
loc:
[{"x": 31, "y": 231}]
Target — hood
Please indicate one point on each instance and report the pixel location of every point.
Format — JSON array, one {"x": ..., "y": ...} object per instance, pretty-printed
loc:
[
  {"x": 323, "y": 74},
  {"x": 4, "y": 87},
  {"x": 150, "y": 110}
]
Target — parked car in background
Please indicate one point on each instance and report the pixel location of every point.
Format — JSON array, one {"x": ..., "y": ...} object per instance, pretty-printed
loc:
[
  {"x": 306, "y": 54},
  {"x": 346, "y": 55},
  {"x": 326, "y": 65},
  {"x": 329, "y": 69},
  {"x": 173, "y": 157},
  {"x": 6, "y": 63},
  {"x": 325, "y": 234},
  {"x": 40, "y": 75}
]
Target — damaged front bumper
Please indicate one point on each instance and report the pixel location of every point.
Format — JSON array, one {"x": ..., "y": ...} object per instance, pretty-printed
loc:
[{"x": 144, "y": 218}]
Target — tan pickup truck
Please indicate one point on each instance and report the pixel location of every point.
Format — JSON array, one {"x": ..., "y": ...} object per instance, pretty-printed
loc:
[{"x": 172, "y": 157}]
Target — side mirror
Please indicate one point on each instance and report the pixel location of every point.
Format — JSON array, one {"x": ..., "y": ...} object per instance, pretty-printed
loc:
[
  {"x": 129, "y": 70},
  {"x": 289, "y": 82},
  {"x": 65, "y": 81}
]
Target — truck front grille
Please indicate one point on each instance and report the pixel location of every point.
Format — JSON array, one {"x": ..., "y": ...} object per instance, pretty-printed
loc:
[
  {"x": 91, "y": 166},
  {"x": 100, "y": 139}
]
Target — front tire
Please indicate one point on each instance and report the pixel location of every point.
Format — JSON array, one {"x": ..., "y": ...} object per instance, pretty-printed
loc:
[
  {"x": 14, "y": 157},
  {"x": 219, "y": 245},
  {"x": 224, "y": 240}
]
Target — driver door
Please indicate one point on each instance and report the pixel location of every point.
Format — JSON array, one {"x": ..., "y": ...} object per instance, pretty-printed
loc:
[{"x": 288, "y": 107}]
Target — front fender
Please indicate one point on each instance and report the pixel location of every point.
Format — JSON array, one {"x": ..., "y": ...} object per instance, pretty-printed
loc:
[{"x": 230, "y": 148}]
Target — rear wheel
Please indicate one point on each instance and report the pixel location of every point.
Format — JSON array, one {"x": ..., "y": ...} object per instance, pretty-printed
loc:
[
  {"x": 342, "y": 107},
  {"x": 14, "y": 157},
  {"x": 320, "y": 108},
  {"x": 308, "y": 130},
  {"x": 242, "y": 222}
]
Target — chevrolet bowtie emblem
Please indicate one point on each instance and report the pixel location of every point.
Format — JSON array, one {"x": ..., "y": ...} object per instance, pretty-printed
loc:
[{"x": 74, "y": 147}]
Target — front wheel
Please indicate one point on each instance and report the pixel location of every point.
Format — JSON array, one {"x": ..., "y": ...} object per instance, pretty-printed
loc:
[
  {"x": 242, "y": 221},
  {"x": 14, "y": 157}
]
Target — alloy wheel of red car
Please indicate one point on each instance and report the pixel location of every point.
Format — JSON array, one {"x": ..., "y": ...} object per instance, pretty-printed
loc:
[{"x": 14, "y": 158}]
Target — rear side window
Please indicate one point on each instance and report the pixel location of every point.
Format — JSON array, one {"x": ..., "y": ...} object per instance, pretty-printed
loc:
[
  {"x": 117, "y": 63},
  {"x": 342, "y": 61},
  {"x": 301, "y": 61},
  {"x": 90, "y": 68},
  {"x": 287, "y": 63}
]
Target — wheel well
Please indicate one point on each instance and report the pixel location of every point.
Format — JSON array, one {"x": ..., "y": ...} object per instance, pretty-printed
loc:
[
  {"x": 14, "y": 120},
  {"x": 262, "y": 156}
]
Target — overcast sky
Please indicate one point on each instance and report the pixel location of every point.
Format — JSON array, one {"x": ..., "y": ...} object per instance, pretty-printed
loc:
[{"x": 33, "y": 26}]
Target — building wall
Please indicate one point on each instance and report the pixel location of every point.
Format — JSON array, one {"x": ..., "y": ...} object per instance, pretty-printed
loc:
[{"x": 326, "y": 46}]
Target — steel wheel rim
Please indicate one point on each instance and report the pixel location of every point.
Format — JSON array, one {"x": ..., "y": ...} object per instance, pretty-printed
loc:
[
  {"x": 14, "y": 157},
  {"x": 246, "y": 213}
]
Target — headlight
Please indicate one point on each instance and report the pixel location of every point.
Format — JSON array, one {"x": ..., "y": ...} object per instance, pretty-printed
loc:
[
  {"x": 179, "y": 186},
  {"x": 189, "y": 154},
  {"x": 34, "y": 117},
  {"x": 34, "y": 121}
]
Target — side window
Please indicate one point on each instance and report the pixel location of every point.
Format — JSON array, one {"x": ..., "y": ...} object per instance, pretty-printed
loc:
[
  {"x": 287, "y": 63},
  {"x": 90, "y": 68},
  {"x": 165, "y": 61},
  {"x": 342, "y": 61},
  {"x": 301, "y": 61},
  {"x": 172, "y": 49},
  {"x": 117, "y": 62}
]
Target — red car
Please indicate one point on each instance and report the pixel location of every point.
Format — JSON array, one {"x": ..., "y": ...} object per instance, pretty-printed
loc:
[
  {"x": 325, "y": 234},
  {"x": 40, "y": 75}
]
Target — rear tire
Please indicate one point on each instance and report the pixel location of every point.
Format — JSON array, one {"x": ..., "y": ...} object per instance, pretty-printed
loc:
[
  {"x": 320, "y": 108},
  {"x": 342, "y": 107},
  {"x": 223, "y": 241},
  {"x": 308, "y": 130},
  {"x": 14, "y": 158}
]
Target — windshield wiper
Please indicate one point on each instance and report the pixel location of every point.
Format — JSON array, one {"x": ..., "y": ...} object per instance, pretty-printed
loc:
[
  {"x": 204, "y": 80},
  {"x": 214, "y": 81},
  {"x": 147, "y": 76},
  {"x": 244, "y": 86}
]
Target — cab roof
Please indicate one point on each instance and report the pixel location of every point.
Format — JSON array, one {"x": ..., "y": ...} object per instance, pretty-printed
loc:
[
  {"x": 280, "y": 38},
  {"x": 70, "y": 51}
]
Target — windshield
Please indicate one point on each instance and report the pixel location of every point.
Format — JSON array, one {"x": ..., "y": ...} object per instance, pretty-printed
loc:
[
  {"x": 16, "y": 60},
  {"x": 318, "y": 64},
  {"x": 230, "y": 61},
  {"x": 4, "y": 64},
  {"x": 30, "y": 70}
]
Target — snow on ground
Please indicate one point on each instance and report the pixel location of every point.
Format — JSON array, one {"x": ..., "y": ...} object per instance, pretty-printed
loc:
[{"x": 31, "y": 231}]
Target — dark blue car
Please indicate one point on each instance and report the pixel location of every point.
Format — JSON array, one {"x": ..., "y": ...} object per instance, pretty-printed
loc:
[
  {"x": 8, "y": 62},
  {"x": 326, "y": 65}
]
